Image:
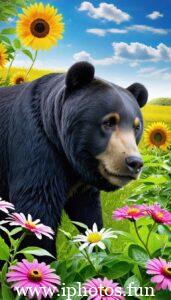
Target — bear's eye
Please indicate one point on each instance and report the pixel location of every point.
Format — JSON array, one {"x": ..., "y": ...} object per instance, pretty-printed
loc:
[
  {"x": 137, "y": 124},
  {"x": 110, "y": 123},
  {"x": 137, "y": 128}
]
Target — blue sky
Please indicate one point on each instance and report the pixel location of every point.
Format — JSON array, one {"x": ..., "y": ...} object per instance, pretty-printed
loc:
[{"x": 126, "y": 40}]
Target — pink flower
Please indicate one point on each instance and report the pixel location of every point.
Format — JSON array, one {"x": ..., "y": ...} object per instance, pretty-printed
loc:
[
  {"x": 159, "y": 214},
  {"x": 5, "y": 206},
  {"x": 103, "y": 289},
  {"x": 32, "y": 226},
  {"x": 133, "y": 212},
  {"x": 162, "y": 273},
  {"x": 31, "y": 277}
]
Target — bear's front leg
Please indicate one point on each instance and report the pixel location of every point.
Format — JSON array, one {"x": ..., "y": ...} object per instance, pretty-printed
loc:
[{"x": 84, "y": 206}]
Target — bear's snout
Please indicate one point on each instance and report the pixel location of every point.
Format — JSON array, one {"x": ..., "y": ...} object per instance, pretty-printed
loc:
[{"x": 134, "y": 164}]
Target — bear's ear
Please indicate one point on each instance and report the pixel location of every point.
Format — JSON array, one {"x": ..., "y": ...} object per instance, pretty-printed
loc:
[
  {"x": 139, "y": 92},
  {"x": 80, "y": 74}
]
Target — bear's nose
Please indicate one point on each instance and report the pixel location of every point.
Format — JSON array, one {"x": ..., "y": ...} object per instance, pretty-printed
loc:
[{"x": 134, "y": 164}]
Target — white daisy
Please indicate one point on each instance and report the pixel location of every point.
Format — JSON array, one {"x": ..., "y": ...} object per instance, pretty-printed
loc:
[{"x": 94, "y": 238}]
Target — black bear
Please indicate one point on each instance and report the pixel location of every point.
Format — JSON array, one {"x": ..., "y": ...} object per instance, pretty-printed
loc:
[{"x": 65, "y": 137}]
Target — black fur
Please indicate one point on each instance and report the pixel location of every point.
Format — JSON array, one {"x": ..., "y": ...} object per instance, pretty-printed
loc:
[
  {"x": 49, "y": 137},
  {"x": 139, "y": 92}
]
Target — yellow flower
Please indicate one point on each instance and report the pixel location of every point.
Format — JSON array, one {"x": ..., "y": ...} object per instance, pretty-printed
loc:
[
  {"x": 40, "y": 26},
  {"x": 18, "y": 78},
  {"x": 158, "y": 135},
  {"x": 3, "y": 55}
]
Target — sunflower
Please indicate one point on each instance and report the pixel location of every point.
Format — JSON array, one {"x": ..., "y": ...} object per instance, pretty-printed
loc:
[
  {"x": 3, "y": 55},
  {"x": 158, "y": 135},
  {"x": 40, "y": 26},
  {"x": 18, "y": 78}
]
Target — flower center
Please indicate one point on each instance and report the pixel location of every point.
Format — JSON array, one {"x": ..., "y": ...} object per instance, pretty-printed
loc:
[
  {"x": 167, "y": 271},
  {"x": 39, "y": 28},
  {"x": 19, "y": 80},
  {"x": 94, "y": 237},
  {"x": 35, "y": 276},
  {"x": 30, "y": 225},
  {"x": 105, "y": 291},
  {"x": 158, "y": 137},
  {"x": 159, "y": 215},
  {"x": 133, "y": 211}
]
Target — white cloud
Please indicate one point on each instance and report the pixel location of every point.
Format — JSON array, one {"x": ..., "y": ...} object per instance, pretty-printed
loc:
[
  {"x": 97, "y": 31},
  {"x": 155, "y": 15},
  {"x": 134, "y": 64},
  {"x": 103, "y": 32},
  {"x": 139, "y": 28},
  {"x": 163, "y": 74},
  {"x": 134, "y": 53},
  {"x": 83, "y": 55},
  {"x": 141, "y": 52},
  {"x": 105, "y": 11},
  {"x": 144, "y": 28}
]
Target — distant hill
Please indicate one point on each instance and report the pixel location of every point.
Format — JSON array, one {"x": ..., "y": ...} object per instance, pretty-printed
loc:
[{"x": 161, "y": 101}]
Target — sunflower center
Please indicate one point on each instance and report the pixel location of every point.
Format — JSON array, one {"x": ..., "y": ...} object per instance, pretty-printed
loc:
[
  {"x": 39, "y": 28},
  {"x": 30, "y": 225},
  {"x": 167, "y": 271},
  {"x": 35, "y": 276},
  {"x": 19, "y": 80},
  {"x": 133, "y": 211},
  {"x": 158, "y": 137},
  {"x": 94, "y": 237}
]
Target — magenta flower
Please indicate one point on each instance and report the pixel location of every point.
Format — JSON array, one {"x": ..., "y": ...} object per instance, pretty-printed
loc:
[
  {"x": 132, "y": 213},
  {"x": 34, "y": 278},
  {"x": 162, "y": 273},
  {"x": 103, "y": 289},
  {"x": 32, "y": 226},
  {"x": 5, "y": 206},
  {"x": 159, "y": 214}
]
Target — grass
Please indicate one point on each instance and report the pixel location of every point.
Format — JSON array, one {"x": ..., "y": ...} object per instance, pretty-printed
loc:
[
  {"x": 110, "y": 201},
  {"x": 161, "y": 101}
]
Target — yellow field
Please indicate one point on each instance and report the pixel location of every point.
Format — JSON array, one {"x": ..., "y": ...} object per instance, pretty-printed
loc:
[
  {"x": 151, "y": 113},
  {"x": 160, "y": 113}
]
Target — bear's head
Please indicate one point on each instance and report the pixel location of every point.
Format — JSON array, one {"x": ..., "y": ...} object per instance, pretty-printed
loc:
[{"x": 101, "y": 126}]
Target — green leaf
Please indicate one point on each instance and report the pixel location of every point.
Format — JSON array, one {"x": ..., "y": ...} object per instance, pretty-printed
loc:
[
  {"x": 162, "y": 229},
  {"x": 4, "y": 250},
  {"x": 131, "y": 282},
  {"x": 87, "y": 272},
  {"x": 9, "y": 31},
  {"x": 7, "y": 293},
  {"x": 36, "y": 251},
  {"x": 15, "y": 231},
  {"x": 138, "y": 254},
  {"x": 155, "y": 179},
  {"x": 67, "y": 234},
  {"x": 4, "y": 271},
  {"x": 17, "y": 43},
  {"x": 80, "y": 224},
  {"x": 116, "y": 270},
  {"x": 5, "y": 39},
  {"x": 28, "y": 53}
]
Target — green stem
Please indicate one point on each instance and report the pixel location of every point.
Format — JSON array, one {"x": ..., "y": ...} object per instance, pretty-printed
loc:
[
  {"x": 18, "y": 245},
  {"x": 34, "y": 59},
  {"x": 141, "y": 240},
  {"x": 89, "y": 260},
  {"x": 9, "y": 68},
  {"x": 149, "y": 234}
]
